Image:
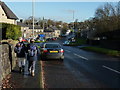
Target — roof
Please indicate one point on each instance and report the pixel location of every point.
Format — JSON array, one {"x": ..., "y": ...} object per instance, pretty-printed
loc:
[
  {"x": 51, "y": 29},
  {"x": 48, "y": 30},
  {"x": 30, "y": 26},
  {"x": 54, "y": 28},
  {"x": 7, "y": 11},
  {"x": 22, "y": 24},
  {"x": 35, "y": 27}
]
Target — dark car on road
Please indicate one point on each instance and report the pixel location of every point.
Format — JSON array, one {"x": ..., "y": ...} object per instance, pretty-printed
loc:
[{"x": 52, "y": 51}]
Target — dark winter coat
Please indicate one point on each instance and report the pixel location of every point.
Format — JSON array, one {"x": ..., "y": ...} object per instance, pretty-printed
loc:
[{"x": 20, "y": 49}]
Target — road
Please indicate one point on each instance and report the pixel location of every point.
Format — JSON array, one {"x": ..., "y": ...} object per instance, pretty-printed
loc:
[{"x": 81, "y": 69}]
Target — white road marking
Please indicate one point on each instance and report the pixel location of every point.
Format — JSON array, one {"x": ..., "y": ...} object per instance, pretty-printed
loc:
[
  {"x": 111, "y": 69},
  {"x": 80, "y": 56},
  {"x": 42, "y": 75},
  {"x": 67, "y": 51}
]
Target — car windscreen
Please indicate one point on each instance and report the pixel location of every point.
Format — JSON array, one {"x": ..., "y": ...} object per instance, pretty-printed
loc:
[{"x": 52, "y": 46}]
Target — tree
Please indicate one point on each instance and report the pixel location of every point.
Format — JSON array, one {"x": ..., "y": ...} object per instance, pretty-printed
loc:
[
  {"x": 29, "y": 21},
  {"x": 108, "y": 19},
  {"x": 65, "y": 28}
]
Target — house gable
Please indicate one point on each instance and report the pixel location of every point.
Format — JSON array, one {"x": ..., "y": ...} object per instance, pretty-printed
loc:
[{"x": 6, "y": 15}]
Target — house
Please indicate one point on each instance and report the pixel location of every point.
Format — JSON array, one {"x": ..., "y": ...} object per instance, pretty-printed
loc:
[
  {"x": 49, "y": 33},
  {"x": 27, "y": 30},
  {"x": 57, "y": 32},
  {"x": 37, "y": 29},
  {"x": 24, "y": 29},
  {"x": 6, "y": 15},
  {"x": 52, "y": 32}
]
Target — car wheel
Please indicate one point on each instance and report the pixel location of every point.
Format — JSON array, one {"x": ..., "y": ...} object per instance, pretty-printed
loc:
[
  {"x": 62, "y": 58},
  {"x": 42, "y": 58}
]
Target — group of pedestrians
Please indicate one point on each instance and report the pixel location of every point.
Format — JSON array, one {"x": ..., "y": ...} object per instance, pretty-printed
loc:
[{"x": 26, "y": 53}]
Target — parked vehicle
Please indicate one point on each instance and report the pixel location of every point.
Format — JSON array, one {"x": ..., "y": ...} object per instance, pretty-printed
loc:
[
  {"x": 54, "y": 38},
  {"x": 39, "y": 45},
  {"x": 63, "y": 35},
  {"x": 52, "y": 51},
  {"x": 66, "y": 43}
]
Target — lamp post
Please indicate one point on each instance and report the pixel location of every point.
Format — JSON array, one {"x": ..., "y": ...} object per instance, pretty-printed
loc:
[
  {"x": 43, "y": 24},
  {"x": 33, "y": 16},
  {"x": 73, "y": 15},
  {"x": 73, "y": 20}
]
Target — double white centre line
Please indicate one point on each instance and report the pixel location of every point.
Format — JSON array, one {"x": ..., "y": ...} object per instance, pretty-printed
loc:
[{"x": 80, "y": 56}]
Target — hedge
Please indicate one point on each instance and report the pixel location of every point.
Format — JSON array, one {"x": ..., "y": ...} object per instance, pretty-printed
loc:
[{"x": 10, "y": 31}]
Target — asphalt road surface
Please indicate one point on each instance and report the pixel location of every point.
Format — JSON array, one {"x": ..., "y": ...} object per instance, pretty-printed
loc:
[{"x": 81, "y": 69}]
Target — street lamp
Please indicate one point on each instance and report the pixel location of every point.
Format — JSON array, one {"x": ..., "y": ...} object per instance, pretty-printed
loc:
[
  {"x": 73, "y": 15},
  {"x": 43, "y": 24},
  {"x": 73, "y": 20},
  {"x": 33, "y": 15}
]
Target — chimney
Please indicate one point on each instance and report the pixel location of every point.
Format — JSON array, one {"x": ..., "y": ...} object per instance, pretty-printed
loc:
[{"x": 21, "y": 20}]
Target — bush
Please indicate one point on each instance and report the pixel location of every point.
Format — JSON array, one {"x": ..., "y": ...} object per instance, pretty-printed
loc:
[{"x": 11, "y": 31}]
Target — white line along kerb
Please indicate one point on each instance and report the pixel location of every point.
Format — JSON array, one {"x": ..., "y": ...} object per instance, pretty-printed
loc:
[
  {"x": 80, "y": 56},
  {"x": 111, "y": 69}
]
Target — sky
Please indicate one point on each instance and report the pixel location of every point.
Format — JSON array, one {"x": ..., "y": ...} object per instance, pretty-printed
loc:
[{"x": 59, "y": 11}]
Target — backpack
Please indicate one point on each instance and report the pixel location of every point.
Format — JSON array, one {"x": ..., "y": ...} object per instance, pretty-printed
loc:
[
  {"x": 32, "y": 50},
  {"x": 18, "y": 49}
]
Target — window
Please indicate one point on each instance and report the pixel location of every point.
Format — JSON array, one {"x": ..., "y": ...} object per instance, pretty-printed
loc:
[{"x": 52, "y": 46}]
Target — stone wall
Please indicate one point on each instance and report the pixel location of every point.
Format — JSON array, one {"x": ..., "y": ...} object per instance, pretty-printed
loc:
[{"x": 7, "y": 60}]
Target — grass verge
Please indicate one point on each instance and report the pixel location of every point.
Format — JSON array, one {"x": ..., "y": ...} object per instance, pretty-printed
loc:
[{"x": 103, "y": 50}]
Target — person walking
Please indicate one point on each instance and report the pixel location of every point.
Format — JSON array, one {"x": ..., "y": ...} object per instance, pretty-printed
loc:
[
  {"x": 32, "y": 56},
  {"x": 20, "y": 50}
]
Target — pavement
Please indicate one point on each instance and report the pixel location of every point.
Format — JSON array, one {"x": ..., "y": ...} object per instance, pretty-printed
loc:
[{"x": 20, "y": 80}]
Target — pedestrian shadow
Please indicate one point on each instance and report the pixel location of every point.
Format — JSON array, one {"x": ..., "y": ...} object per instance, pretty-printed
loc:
[{"x": 15, "y": 71}]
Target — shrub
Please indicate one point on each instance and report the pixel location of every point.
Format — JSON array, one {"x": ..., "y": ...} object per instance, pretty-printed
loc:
[{"x": 11, "y": 31}]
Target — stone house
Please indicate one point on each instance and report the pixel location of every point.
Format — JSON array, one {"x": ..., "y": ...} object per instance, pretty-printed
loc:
[
  {"x": 6, "y": 15},
  {"x": 27, "y": 30},
  {"x": 37, "y": 29},
  {"x": 57, "y": 32},
  {"x": 49, "y": 33},
  {"x": 52, "y": 32},
  {"x": 24, "y": 29}
]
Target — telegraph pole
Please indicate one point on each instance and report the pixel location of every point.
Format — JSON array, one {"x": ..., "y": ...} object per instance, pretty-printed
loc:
[{"x": 33, "y": 15}]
